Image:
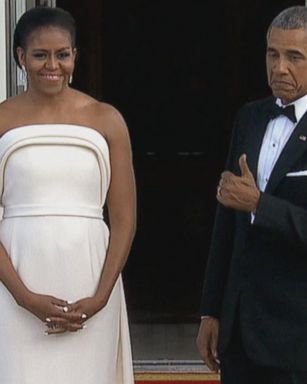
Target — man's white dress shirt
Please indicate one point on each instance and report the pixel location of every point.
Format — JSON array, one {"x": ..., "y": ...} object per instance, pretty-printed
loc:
[{"x": 275, "y": 138}]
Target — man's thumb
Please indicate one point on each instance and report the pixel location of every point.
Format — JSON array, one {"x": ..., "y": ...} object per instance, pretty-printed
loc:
[{"x": 245, "y": 171}]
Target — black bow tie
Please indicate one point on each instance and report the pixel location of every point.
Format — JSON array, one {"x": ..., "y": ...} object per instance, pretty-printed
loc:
[{"x": 288, "y": 111}]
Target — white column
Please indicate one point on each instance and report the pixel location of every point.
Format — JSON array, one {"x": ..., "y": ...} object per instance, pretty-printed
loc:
[{"x": 3, "y": 91}]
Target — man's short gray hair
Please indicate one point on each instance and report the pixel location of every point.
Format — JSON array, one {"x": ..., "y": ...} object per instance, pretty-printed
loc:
[{"x": 290, "y": 18}]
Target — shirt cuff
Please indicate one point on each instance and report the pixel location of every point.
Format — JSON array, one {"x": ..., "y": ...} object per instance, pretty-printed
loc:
[{"x": 252, "y": 218}]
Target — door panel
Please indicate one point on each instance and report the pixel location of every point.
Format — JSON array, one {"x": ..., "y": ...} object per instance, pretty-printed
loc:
[{"x": 177, "y": 73}]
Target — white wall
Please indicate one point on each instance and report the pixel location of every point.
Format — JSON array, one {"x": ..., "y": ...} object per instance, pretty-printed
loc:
[{"x": 2, "y": 52}]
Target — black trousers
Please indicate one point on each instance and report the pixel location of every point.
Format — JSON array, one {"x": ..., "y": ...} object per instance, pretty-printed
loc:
[{"x": 237, "y": 368}]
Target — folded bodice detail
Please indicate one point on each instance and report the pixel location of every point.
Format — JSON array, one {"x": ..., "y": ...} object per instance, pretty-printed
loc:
[{"x": 53, "y": 169}]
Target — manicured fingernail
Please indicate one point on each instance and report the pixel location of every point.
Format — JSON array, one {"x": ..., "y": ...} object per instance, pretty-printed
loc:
[
  {"x": 69, "y": 301},
  {"x": 48, "y": 320},
  {"x": 83, "y": 316},
  {"x": 84, "y": 326},
  {"x": 46, "y": 333},
  {"x": 65, "y": 309}
]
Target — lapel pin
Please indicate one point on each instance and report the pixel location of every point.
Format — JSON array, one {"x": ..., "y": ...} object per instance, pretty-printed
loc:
[{"x": 303, "y": 138}]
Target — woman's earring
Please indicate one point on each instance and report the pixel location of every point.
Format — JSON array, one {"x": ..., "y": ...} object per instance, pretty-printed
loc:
[
  {"x": 70, "y": 79},
  {"x": 24, "y": 76}
]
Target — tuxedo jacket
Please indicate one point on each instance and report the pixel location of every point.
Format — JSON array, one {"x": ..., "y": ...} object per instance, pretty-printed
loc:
[{"x": 258, "y": 271}]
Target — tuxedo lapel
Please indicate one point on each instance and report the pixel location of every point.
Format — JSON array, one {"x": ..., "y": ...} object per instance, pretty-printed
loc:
[
  {"x": 293, "y": 150},
  {"x": 260, "y": 120}
]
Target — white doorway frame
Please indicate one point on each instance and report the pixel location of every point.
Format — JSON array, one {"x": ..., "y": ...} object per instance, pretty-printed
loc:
[
  {"x": 3, "y": 91},
  {"x": 10, "y": 75}
]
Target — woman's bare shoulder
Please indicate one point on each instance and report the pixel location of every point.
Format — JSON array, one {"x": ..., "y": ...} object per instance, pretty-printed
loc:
[
  {"x": 88, "y": 106},
  {"x": 106, "y": 117},
  {"x": 101, "y": 116},
  {"x": 8, "y": 112},
  {"x": 8, "y": 104}
]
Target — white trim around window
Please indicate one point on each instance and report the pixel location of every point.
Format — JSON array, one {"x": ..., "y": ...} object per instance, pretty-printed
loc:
[{"x": 3, "y": 89}]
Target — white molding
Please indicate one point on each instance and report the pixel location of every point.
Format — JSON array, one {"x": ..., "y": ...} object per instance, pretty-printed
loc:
[
  {"x": 3, "y": 73},
  {"x": 21, "y": 7}
]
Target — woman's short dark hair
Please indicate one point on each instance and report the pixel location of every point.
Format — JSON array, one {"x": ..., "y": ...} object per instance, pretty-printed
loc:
[{"x": 41, "y": 17}]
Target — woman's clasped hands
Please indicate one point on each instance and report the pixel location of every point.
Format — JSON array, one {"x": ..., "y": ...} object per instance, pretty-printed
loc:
[
  {"x": 59, "y": 315},
  {"x": 65, "y": 319}
]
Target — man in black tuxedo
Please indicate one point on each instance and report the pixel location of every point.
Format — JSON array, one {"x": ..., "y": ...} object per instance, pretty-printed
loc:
[{"x": 254, "y": 306}]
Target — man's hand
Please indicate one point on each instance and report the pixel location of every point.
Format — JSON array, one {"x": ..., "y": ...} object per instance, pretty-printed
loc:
[
  {"x": 207, "y": 342},
  {"x": 239, "y": 192}
]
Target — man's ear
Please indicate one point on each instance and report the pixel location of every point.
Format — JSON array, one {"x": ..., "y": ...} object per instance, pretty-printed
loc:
[{"x": 21, "y": 55}]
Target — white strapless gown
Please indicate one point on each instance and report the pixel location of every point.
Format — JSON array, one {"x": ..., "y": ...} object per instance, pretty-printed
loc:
[{"x": 54, "y": 180}]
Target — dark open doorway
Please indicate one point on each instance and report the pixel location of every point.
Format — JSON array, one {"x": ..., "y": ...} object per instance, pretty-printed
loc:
[{"x": 177, "y": 73}]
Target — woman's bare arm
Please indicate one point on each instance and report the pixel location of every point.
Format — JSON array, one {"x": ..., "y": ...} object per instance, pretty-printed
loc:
[
  {"x": 121, "y": 202},
  {"x": 42, "y": 306}
]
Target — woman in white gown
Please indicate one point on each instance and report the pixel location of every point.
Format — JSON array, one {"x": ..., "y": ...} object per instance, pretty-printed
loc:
[{"x": 62, "y": 156}]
